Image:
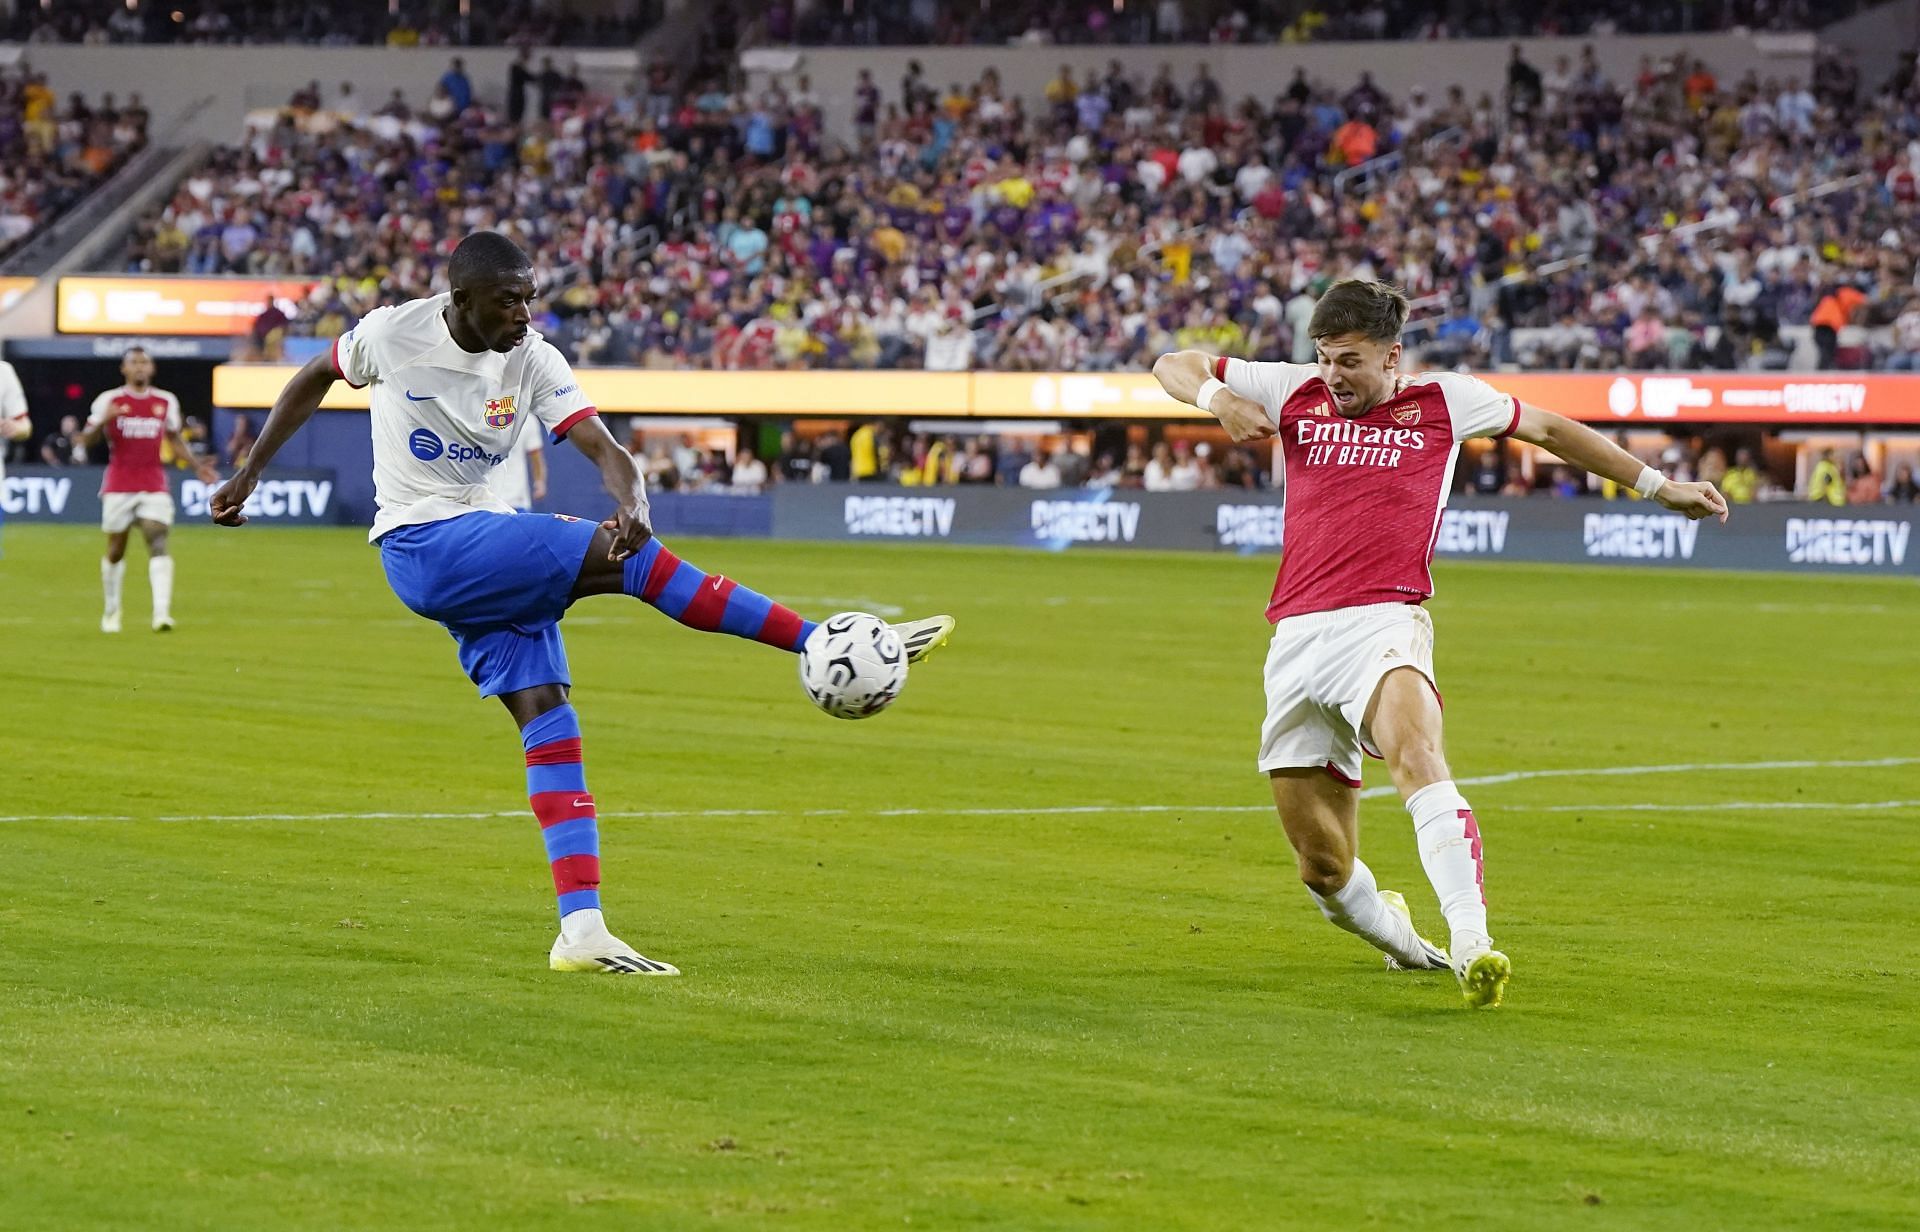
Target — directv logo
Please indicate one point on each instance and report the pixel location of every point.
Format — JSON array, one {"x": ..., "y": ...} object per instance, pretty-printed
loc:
[
  {"x": 1473, "y": 532},
  {"x": 910, "y": 517},
  {"x": 1640, "y": 536},
  {"x": 1066, "y": 521},
  {"x": 1249, "y": 526},
  {"x": 1847, "y": 541},
  {"x": 425, "y": 445}
]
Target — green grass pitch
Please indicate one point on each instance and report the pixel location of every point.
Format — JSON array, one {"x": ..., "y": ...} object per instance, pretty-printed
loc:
[{"x": 223, "y": 1008}]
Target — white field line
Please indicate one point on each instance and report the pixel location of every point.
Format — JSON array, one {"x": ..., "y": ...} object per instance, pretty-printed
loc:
[
  {"x": 1518, "y": 776},
  {"x": 1489, "y": 780},
  {"x": 1730, "y": 806}
]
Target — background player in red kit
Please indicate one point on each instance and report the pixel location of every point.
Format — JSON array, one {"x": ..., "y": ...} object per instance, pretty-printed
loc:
[
  {"x": 135, "y": 418},
  {"x": 1369, "y": 457}
]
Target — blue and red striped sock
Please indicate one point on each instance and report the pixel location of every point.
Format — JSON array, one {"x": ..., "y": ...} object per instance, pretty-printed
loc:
[
  {"x": 557, "y": 788},
  {"x": 710, "y": 603}
]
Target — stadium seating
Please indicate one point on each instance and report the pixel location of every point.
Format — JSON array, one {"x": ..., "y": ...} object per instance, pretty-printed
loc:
[
  {"x": 1257, "y": 21},
  {"x": 1667, "y": 221},
  {"x": 343, "y": 22},
  {"x": 52, "y": 155}
]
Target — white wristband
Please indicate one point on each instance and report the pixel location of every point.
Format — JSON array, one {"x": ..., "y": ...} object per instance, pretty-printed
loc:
[
  {"x": 1649, "y": 483},
  {"x": 1208, "y": 388}
]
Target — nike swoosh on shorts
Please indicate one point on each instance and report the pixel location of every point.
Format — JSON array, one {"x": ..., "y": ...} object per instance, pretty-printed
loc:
[{"x": 421, "y": 398}]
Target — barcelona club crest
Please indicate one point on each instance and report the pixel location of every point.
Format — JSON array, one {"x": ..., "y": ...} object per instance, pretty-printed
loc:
[{"x": 500, "y": 412}]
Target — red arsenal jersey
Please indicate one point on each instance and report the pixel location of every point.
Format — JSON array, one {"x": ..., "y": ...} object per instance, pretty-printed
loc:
[
  {"x": 1364, "y": 495},
  {"x": 134, "y": 437}
]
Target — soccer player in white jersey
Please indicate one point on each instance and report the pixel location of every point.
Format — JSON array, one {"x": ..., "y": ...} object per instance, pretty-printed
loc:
[
  {"x": 15, "y": 423},
  {"x": 456, "y": 378},
  {"x": 1369, "y": 456}
]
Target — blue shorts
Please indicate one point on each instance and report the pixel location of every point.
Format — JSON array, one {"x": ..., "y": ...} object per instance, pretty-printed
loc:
[{"x": 499, "y": 582}]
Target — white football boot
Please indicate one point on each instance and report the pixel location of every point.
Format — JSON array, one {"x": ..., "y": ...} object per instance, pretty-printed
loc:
[
  {"x": 1436, "y": 957},
  {"x": 922, "y": 637},
  {"x": 585, "y": 944}
]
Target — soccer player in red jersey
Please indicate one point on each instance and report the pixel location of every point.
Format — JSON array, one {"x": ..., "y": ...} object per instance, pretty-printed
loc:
[
  {"x": 135, "y": 418},
  {"x": 1369, "y": 456}
]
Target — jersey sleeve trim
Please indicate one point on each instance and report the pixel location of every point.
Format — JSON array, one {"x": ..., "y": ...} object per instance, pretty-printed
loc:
[
  {"x": 1513, "y": 425},
  {"x": 567, "y": 425},
  {"x": 340, "y": 371}
]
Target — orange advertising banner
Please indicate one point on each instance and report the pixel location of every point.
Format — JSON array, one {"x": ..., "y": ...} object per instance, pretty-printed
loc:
[
  {"x": 1803, "y": 399},
  {"x": 1809, "y": 399},
  {"x": 11, "y": 289},
  {"x": 206, "y": 307}
]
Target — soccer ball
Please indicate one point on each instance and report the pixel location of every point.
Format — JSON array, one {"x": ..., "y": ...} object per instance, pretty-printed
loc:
[{"x": 853, "y": 665}]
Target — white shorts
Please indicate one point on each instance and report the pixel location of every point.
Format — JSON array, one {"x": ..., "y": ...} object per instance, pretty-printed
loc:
[
  {"x": 119, "y": 510},
  {"x": 1322, "y": 670}
]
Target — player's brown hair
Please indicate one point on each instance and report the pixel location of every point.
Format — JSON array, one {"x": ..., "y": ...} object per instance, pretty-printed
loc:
[{"x": 1374, "y": 310}]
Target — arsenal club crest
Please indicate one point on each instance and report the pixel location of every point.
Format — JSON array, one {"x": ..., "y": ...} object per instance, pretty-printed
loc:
[
  {"x": 1407, "y": 414},
  {"x": 500, "y": 412}
]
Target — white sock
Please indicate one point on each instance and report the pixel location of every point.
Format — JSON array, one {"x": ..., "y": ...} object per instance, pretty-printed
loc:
[
  {"x": 586, "y": 922},
  {"x": 160, "y": 577},
  {"x": 1358, "y": 908},
  {"x": 112, "y": 573},
  {"x": 1449, "y": 840}
]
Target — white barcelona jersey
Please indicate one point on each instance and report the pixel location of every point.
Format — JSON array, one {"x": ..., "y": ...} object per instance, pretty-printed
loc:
[
  {"x": 13, "y": 408},
  {"x": 512, "y": 480},
  {"x": 444, "y": 418}
]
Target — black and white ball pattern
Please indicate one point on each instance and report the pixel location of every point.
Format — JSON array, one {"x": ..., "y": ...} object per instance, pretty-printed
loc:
[{"x": 853, "y": 665}]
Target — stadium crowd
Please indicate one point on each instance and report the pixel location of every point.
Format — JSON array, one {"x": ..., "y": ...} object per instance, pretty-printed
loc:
[
  {"x": 879, "y": 452},
  {"x": 411, "y": 23},
  {"x": 1671, "y": 220},
  {"x": 53, "y": 155},
  {"x": 888, "y": 22}
]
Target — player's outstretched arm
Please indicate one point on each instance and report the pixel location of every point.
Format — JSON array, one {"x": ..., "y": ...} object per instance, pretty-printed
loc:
[
  {"x": 295, "y": 405},
  {"x": 1188, "y": 377},
  {"x": 1583, "y": 447},
  {"x": 631, "y": 524}
]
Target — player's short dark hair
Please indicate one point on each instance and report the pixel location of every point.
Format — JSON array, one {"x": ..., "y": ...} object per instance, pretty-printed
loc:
[
  {"x": 1374, "y": 310},
  {"x": 486, "y": 257},
  {"x": 132, "y": 351}
]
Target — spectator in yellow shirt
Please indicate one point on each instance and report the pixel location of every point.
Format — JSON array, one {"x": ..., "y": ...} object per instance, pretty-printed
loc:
[
  {"x": 1827, "y": 484},
  {"x": 1742, "y": 479},
  {"x": 1016, "y": 190},
  {"x": 1062, "y": 90},
  {"x": 866, "y": 454}
]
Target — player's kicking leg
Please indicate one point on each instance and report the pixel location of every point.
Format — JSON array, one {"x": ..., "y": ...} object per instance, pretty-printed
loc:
[
  {"x": 1321, "y": 816},
  {"x": 557, "y": 789},
  {"x": 716, "y": 604},
  {"x": 1405, "y": 723}
]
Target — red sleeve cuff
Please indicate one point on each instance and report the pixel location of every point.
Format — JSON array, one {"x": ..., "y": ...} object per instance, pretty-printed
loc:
[
  {"x": 338, "y": 370},
  {"x": 1513, "y": 423},
  {"x": 1220, "y": 368},
  {"x": 567, "y": 425}
]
